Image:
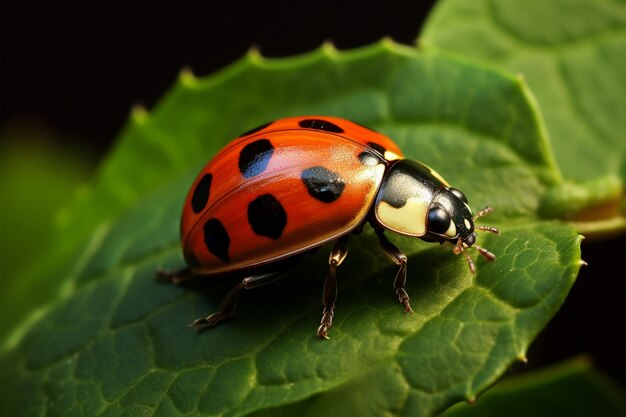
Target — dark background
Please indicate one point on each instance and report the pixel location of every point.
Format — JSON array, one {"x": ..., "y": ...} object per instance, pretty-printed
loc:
[{"x": 78, "y": 67}]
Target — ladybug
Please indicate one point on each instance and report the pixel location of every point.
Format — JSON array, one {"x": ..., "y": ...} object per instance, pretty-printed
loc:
[{"x": 287, "y": 187}]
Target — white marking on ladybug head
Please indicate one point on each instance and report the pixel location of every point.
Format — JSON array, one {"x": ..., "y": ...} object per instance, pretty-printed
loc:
[{"x": 451, "y": 230}]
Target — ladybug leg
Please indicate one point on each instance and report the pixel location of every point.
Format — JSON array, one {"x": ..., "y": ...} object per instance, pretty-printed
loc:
[
  {"x": 329, "y": 296},
  {"x": 176, "y": 276},
  {"x": 229, "y": 302},
  {"x": 400, "y": 259}
]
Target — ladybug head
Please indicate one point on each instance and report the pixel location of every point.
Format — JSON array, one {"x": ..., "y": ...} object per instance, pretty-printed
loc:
[
  {"x": 450, "y": 219},
  {"x": 414, "y": 200}
]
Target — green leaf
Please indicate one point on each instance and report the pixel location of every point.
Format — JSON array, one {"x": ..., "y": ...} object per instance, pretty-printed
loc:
[
  {"x": 572, "y": 200},
  {"x": 38, "y": 178},
  {"x": 383, "y": 86},
  {"x": 573, "y": 54},
  {"x": 572, "y": 389},
  {"x": 116, "y": 342}
]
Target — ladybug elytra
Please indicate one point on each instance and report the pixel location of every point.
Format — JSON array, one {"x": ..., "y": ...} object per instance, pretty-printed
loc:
[{"x": 289, "y": 186}]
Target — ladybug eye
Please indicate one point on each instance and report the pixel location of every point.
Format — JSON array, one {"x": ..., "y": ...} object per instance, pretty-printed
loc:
[
  {"x": 459, "y": 194},
  {"x": 438, "y": 220}
]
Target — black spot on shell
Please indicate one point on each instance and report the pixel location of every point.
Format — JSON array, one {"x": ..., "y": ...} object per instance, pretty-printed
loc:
[
  {"x": 256, "y": 129},
  {"x": 266, "y": 216},
  {"x": 201, "y": 193},
  {"x": 216, "y": 239},
  {"x": 254, "y": 157},
  {"x": 369, "y": 159},
  {"x": 320, "y": 124},
  {"x": 378, "y": 148},
  {"x": 323, "y": 184}
]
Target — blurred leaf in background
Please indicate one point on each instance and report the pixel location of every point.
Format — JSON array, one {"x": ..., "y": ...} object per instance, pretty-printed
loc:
[
  {"x": 573, "y": 55},
  {"x": 40, "y": 176},
  {"x": 572, "y": 388}
]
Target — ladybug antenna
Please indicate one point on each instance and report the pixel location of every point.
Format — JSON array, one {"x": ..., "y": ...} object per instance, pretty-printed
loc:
[
  {"x": 460, "y": 246},
  {"x": 481, "y": 213}
]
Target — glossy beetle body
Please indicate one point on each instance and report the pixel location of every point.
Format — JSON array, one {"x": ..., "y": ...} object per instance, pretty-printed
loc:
[{"x": 295, "y": 184}]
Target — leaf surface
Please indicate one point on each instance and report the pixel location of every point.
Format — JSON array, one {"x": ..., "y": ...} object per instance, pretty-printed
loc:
[{"x": 116, "y": 343}]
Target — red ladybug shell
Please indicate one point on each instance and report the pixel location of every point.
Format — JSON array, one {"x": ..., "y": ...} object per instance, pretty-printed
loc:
[{"x": 282, "y": 189}]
